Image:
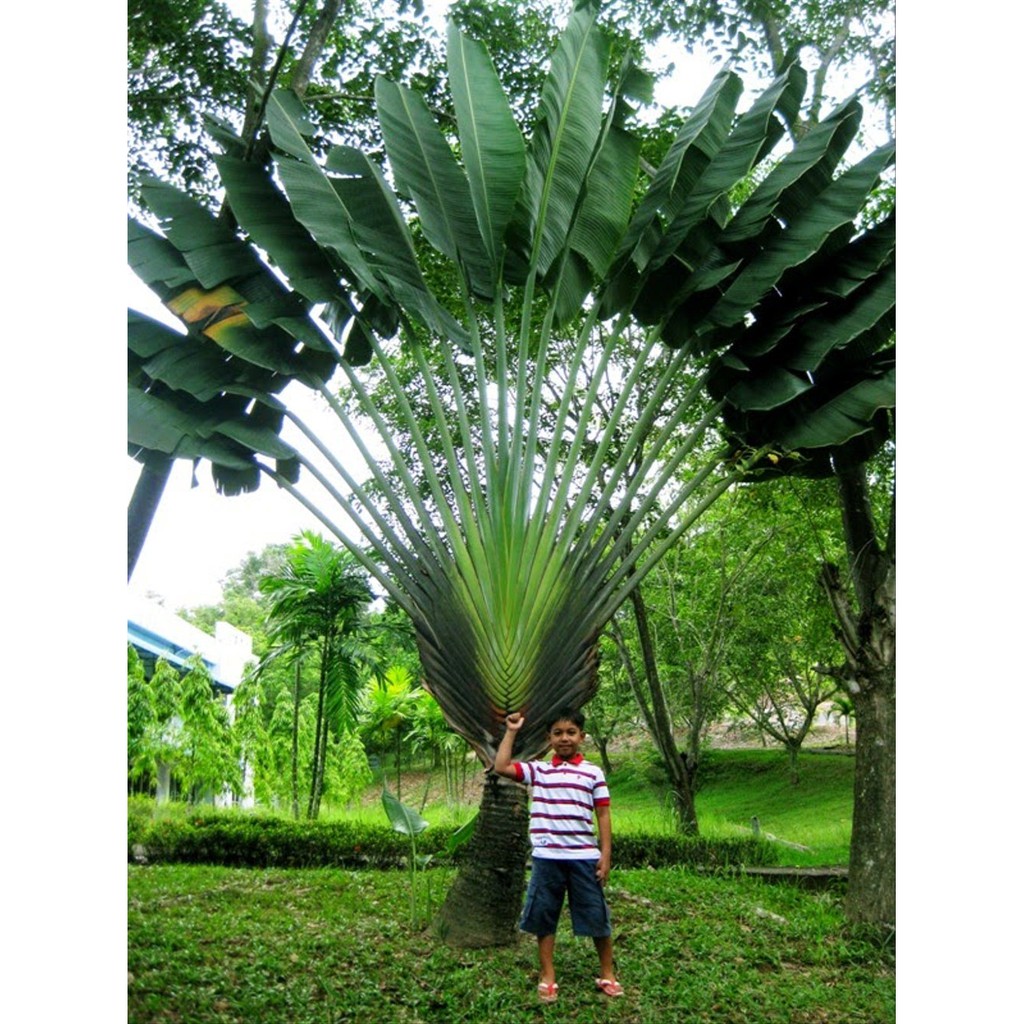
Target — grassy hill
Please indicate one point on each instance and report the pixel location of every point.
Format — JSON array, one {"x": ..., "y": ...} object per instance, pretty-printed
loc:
[{"x": 734, "y": 786}]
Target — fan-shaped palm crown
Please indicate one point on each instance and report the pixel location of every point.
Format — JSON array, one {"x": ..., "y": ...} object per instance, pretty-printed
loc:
[{"x": 509, "y": 550}]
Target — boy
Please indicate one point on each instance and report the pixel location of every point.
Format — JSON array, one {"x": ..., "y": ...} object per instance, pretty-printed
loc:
[{"x": 564, "y": 793}]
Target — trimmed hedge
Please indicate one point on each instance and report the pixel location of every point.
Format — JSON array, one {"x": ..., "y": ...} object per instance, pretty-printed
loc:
[
  {"x": 641, "y": 850},
  {"x": 260, "y": 842}
]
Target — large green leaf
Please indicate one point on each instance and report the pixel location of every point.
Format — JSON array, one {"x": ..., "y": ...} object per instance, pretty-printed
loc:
[
  {"x": 314, "y": 200},
  {"x": 754, "y": 130},
  {"x": 403, "y": 818},
  {"x": 384, "y": 238},
  {"x": 566, "y": 130},
  {"x": 426, "y": 170},
  {"x": 795, "y": 182},
  {"x": 602, "y": 219},
  {"x": 493, "y": 150},
  {"x": 847, "y": 415},
  {"x": 156, "y": 262},
  {"x": 695, "y": 145},
  {"x": 172, "y": 425},
  {"x": 183, "y": 363},
  {"x": 835, "y": 209},
  {"x": 220, "y": 260},
  {"x": 268, "y": 219}
]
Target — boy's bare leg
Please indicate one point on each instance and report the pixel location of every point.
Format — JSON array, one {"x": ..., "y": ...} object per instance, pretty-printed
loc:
[
  {"x": 603, "y": 946},
  {"x": 546, "y": 955}
]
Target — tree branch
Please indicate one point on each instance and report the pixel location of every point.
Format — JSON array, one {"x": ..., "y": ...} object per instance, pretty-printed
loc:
[{"x": 314, "y": 46}]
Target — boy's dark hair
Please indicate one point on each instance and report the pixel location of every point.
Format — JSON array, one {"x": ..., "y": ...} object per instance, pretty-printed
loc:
[{"x": 566, "y": 714}]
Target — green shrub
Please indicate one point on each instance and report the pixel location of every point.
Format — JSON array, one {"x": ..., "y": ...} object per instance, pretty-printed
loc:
[
  {"x": 233, "y": 840},
  {"x": 641, "y": 850}
]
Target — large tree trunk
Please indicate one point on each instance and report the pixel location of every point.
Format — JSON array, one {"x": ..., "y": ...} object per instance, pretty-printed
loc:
[
  {"x": 867, "y": 631},
  {"x": 149, "y": 489},
  {"x": 483, "y": 904},
  {"x": 871, "y": 892}
]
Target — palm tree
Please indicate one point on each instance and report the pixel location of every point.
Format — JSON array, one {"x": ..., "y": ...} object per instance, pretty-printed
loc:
[
  {"x": 388, "y": 707},
  {"x": 512, "y": 559},
  {"x": 317, "y": 605},
  {"x": 844, "y": 709}
]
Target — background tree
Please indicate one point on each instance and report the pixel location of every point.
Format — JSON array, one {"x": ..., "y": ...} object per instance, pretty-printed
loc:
[
  {"x": 612, "y": 706},
  {"x": 673, "y": 646},
  {"x": 251, "y": 738},
  {"x": 317, "y": 609},
  {"x": 430, "y": 736},
  {"x": 153, "y": 724},
  {"x": 782, "y": 623},
  {"x": 140, "y": 715},
  {"x": 389, "y": 710},
  {"x": 207, "y": 762},
  {"x": 347, "y": 772}
]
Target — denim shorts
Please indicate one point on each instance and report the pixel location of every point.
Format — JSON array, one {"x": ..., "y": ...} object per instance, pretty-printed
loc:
[{"x": 549, "y": 882}]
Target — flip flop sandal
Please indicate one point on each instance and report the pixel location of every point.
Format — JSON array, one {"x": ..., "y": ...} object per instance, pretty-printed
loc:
[
  {"x": 612, "y": 989},
  {"x": 547, "y": 993}
]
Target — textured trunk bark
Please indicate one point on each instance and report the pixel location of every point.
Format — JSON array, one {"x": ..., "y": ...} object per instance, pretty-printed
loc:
[
  {"x": 871, "y": 894},
  {"x": 483, "y": 904},
  {"x": 867, "y": 632}
]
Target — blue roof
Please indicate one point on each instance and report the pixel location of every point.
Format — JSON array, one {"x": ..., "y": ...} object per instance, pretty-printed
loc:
[{"x": 154, "y": 630}]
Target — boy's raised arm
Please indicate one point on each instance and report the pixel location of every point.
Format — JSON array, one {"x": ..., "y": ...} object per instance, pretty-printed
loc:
[{"x": 503, "y": 758}]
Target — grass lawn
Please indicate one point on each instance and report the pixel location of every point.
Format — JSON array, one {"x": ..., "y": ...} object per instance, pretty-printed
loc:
[
  {"x": 734, "y": 786},
  {"x": 214, "y": 945},
  {"x": 220, "y": 945}
]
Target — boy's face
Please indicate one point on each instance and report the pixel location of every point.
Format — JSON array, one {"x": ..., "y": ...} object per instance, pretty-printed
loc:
[{"x": 565, "y": 738}]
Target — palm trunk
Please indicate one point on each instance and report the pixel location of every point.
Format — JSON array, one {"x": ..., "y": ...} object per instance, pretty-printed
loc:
[
  {"x": 316, "y": 776},
  {"x": 149, "y": 489},
  {"x": 867, "y": 632},
  {"x": 483, "y": 903},
  {"x": 321, "y": 760},
  {"x": 295, "y": 744}
]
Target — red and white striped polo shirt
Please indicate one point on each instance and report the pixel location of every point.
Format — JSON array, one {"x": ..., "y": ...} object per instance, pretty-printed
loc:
[{"x": 563, "y": 795}]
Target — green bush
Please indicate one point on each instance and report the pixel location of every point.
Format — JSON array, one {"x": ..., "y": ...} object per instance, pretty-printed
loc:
[
  {"x": 641, "y": 850},
  {"x": 233, "y": 840}
]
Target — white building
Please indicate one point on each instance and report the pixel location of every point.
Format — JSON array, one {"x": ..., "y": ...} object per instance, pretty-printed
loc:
[{"x": 157, "y": 633}]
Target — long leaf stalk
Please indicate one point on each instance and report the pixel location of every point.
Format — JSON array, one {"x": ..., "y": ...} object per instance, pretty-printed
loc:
[
  {"x": 472, "y": 560},
  {"x": 642, "y": 479},
  {"x": 423, "y": 550},
  {"x": 394, "y": 553}
]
